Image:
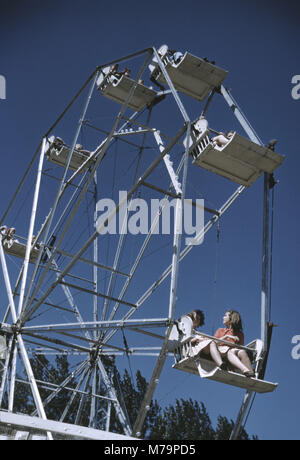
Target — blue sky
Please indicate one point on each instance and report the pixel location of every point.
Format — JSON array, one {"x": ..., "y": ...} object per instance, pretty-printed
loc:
[{"x": 48, "y": 49}]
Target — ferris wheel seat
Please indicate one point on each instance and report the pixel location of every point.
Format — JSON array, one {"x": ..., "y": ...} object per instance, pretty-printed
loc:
[
  {"x": 240, "y": 160},
  {"x": 57, "y": 152},
  {"x": 118, "y": 89},
  {"x": 18, "y": 249},
  {"x": 206, "y": 368},
  {"x": 190, "y": 75},
  {"x": 227, "y": 377}
]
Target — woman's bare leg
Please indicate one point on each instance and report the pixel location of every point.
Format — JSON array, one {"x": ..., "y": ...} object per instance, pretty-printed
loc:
[
  {"x": 236, "y": 362},
  {"x": 215, "y": 354},
  {"x": 242, "y": 355},
  {"x": 213, "y": 351}
]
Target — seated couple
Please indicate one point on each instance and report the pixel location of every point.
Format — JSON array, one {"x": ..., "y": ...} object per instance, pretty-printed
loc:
[{"x": 233, "y": 333}]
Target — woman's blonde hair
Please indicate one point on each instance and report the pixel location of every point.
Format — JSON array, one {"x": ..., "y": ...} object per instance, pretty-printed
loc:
[{"x": 235, "y": 320}]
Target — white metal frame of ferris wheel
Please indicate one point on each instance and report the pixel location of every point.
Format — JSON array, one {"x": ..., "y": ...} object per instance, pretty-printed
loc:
[{"x": 92, "y": 331}]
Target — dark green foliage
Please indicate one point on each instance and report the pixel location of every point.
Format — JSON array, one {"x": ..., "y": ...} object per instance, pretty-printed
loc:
[
  {"x": 224, "y": 429},
  {"x": 133, "y": 395},
  {"x": 44, "y": 371},
  {"x": 186, "y": 420}
]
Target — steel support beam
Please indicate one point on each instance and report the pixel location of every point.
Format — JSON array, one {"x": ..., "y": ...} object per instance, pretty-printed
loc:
[{"x": 265, "y": 256}]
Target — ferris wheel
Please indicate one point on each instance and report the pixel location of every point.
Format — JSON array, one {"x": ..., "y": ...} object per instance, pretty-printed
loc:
[{"x": 93, "y": 239}]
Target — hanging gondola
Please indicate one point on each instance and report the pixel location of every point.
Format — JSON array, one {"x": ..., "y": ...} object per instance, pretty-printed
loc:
[
  {"x": 191, "y": 75},
  {"x": 57, "y": 152},
  {"x": 180, "y": 344},
  {"x": 234, "y": 157},
  {"x": 117, "y": 87},
  {"x": 13, "y": 247}
]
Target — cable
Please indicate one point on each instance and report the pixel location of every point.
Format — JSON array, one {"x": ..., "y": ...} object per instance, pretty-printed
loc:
[
  {"x": 271, "y": 253},
  {"x": 214, "y": 306},
  {"x": 22, "y": 205}
]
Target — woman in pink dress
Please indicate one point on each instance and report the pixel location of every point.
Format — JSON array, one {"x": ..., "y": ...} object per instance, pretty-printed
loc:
[{"x": 233, "y": 333}]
